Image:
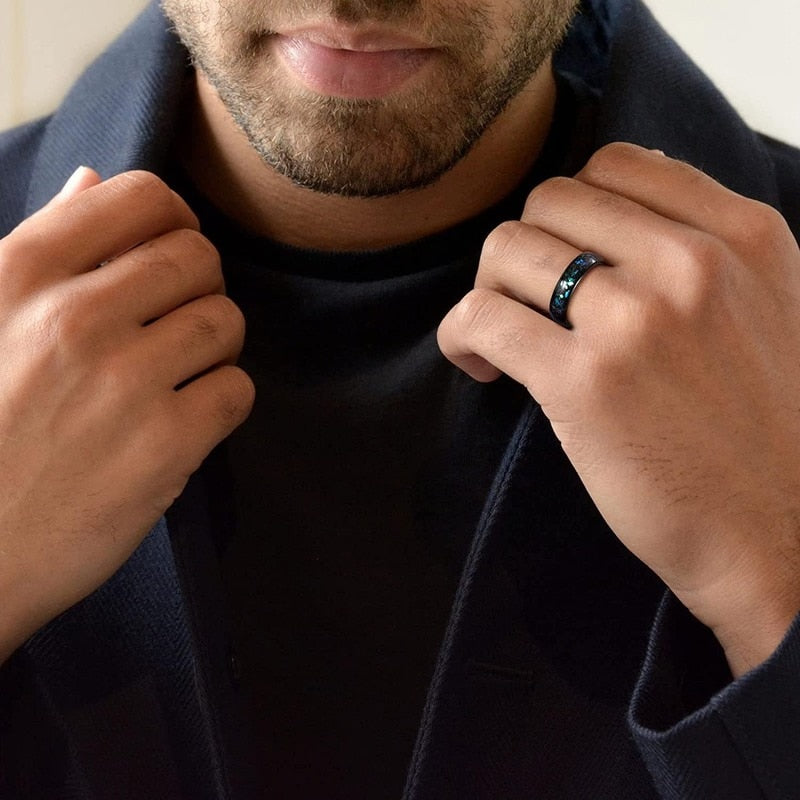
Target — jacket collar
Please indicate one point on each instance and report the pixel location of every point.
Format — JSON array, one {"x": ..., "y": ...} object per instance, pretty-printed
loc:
[
  {"x": 657, "y": 97},
  {"x": 121, "y": 114}
]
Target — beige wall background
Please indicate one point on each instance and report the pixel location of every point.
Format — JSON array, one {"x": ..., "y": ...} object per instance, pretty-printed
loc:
[{"x": 749, "y": 48}]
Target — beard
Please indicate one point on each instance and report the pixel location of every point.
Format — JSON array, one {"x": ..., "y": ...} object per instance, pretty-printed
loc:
[{"x": 370, "y": 147}]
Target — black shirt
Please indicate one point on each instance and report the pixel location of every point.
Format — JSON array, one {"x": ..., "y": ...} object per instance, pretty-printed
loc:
[{"x": 363, "y": 438}]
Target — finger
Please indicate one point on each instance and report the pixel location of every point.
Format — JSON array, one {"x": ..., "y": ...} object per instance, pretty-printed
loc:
[
  {"x": 90, "y": 228},
  {"x": 488, "y": 331},
  {"x": 83, "y": 178},
  {"x": 211, "y": 408},
  {"x": 525, "y": 263},
  {"x": 643, "y": 244},
  {"x": 193, "y": 339},
  {"x": 684, "y": 194},
  {"x": 671, "y": 188},
  {"x": 156, "y": 277}
]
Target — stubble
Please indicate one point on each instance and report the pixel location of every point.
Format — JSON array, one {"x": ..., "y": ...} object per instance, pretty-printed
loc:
[{"x": 370, "y": 148}]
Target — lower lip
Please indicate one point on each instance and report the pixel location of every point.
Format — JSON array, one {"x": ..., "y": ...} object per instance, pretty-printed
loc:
[{"x": 352, "y": 74}]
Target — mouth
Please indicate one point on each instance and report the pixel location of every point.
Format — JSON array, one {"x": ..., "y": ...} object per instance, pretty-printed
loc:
[{"x": 365, "y": 64}]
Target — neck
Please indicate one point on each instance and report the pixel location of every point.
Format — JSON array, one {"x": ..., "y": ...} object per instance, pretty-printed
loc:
[{"x": 228, "y": 171}]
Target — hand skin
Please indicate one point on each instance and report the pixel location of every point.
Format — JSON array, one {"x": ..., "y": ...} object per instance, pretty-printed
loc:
[
  {"x": 676, "y": 395},
  {"x": 102, "y": 414}
]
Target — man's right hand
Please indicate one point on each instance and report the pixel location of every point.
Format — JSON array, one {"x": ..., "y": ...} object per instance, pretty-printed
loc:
[{"x": 116, "y": 380}]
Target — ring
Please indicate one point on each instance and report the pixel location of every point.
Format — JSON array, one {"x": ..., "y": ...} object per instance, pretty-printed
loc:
[{"x": 572, "y": 275}]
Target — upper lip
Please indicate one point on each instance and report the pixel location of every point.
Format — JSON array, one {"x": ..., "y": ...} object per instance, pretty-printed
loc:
[{"x": 342, "y": 37}]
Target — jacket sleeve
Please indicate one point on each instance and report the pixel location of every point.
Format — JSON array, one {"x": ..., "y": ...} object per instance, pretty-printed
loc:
[{"x": 706, "y": 736}]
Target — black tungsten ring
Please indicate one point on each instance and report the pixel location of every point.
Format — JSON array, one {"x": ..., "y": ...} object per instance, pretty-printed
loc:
[{"x": 570, "y": 278}]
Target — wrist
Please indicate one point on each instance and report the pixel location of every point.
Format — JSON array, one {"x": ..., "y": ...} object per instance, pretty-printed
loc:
[
  {"x": 749, "y": 616},
  {"x": 747, "y": 646}
]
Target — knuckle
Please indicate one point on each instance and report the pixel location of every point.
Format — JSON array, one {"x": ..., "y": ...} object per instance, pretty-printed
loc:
[
  {"x": 57, "y": 320},
  {"x": 204, "y": 324},
  {"x": 217, "y": 316},
  {"x": 121, "y": 378},
  {"x": 234, "y": 319},
  {"x": 181, "y": 257},
  {"x": 162, "y": 269},
  {"x": 208, "y": 260},
  {"x": 59, "y": 332},
  {"x": 145, "y": 192},
  {"x": 196, "y": 252},
  {"x": 235, "y": 396},
  {"x": 633, "y": 328},
  {"x": 759, "y": 225},
  {"x": 227, "y": 309},
  {"x": 608, "y": 160},
  {"x": 477, "y": 311},
  {"x": 156, "y": 253},
  {"x": 500, "y": 243},
  {"x": 702, "y": 261},
  {"x": 543, "y": 197},
  {"x": 645, "y": 320},
  {"x": 139, "y": 182},
  {"x": 194, "y": 240}
]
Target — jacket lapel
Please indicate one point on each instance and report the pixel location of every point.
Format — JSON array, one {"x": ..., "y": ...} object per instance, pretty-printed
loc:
[
  {"x": 125, "y": 674},
  {"x": 118, "y": 674},
  {"x": 122, "y": 113},
  {"x": 658, "y": 98}
]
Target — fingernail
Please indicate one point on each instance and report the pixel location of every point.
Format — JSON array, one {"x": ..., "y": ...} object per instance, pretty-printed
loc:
[{"x": 73, "y": 181}]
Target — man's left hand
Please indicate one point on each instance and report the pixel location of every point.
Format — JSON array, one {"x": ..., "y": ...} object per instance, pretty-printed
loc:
[{"x": 676, "y": 394}]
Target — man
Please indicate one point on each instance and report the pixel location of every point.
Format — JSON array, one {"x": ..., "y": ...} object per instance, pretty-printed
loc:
[{"x": 393, "y": 578}]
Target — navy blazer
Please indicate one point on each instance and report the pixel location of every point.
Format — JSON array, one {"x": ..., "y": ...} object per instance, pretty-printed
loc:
[{"x": 132, "y": 693}]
